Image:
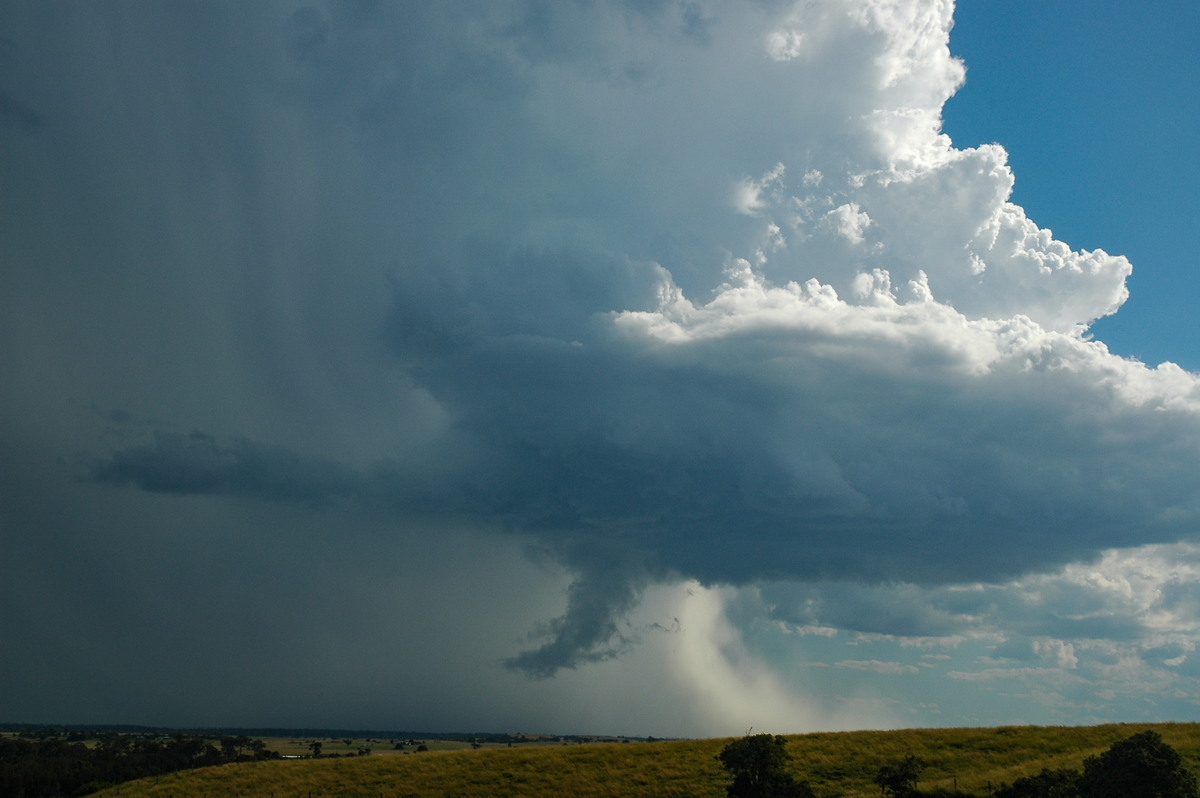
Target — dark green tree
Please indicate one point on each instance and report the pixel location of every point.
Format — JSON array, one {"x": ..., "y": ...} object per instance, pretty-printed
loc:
[
  {"x": 1141, "y": 766},
  {"x": 900, "y": 778},
  {"x": 1062, "y": 783},
  {"x": 759, "y": 766}
]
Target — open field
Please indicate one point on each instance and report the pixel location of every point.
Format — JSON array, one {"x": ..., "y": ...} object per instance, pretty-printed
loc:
[
  {"x": 836, "y": 764},
  {"x": 299, "y": 745}
]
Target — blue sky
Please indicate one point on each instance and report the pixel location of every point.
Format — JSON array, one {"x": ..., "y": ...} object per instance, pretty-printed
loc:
[
  {"x": 1099, "y": 113},
  {"x": 637, "y": 368}
]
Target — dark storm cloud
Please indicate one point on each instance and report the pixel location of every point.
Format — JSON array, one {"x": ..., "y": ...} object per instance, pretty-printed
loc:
[
  {"x": 660, "y": 292},
  {"x": 198, "y": 464},
  {"x": 754, "y": 459},
  {"x": 590, "y": 629},
  {"x": 22, "y": 116}
]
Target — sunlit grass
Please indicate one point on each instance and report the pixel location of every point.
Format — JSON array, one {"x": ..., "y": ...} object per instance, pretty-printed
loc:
[
  {"x": 601, "y": 770},
  {"x": 836, "y": 764}
]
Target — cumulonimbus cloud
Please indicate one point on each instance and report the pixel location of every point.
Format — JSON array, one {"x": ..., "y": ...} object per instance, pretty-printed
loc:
[{"x": 710, "y": 296}]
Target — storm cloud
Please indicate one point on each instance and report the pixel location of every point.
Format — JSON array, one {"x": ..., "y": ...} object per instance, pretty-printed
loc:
[{"x": 625, "y": 295}]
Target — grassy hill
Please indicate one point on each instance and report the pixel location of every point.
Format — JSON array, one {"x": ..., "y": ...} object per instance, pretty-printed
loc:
[{"x": 836, "y": 764}]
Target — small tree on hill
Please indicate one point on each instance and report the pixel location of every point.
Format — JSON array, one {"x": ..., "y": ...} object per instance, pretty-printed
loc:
[
  {"x": 1142, "y": 766},
  {"x": 759, "y": 767},
  {"x": 899, "y": 779}
]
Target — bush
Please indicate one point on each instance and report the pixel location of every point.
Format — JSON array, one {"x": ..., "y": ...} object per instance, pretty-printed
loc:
[
  {"x": 1062, "y": 783},
  {"x": 900, "y": 778}
]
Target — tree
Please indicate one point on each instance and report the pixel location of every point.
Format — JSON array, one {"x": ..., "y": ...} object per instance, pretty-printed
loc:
[
  {"x": 759, "y": 767},
  {"x": 315, "y": 746},
  {"x": 1141, "y": 766},
  {"x": 260, "y": 750},
  {"x": 1062, "y": 783},
  {"x": 900, "y": 778}
]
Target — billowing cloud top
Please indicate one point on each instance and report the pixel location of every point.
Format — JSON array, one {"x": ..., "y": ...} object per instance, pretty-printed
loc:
[{"x": 675, "y": 290}]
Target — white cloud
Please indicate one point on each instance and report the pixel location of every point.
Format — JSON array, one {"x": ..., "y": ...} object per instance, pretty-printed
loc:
[
  {"x": 993, "y": 674},
  {"x": 784, "y": 45},
  {"x": 876, "y": 666},
  {"x": 849, "y": 221},
  {"x": 1113, "y": 637},
  {"x": 749, "y": 192},
  {"x": 1056, "y": 651}
]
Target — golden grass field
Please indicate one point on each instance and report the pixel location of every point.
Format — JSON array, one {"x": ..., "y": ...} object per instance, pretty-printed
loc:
[{"x": 835, "y": 764}]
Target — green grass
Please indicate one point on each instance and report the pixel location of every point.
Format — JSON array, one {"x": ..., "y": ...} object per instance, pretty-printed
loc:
[{"x": 836, "y": 764}]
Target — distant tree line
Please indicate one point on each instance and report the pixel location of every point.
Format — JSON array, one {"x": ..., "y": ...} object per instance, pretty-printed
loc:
[
  {"x": 53, "y": 766},
  {"x": 1141, "y": 766}
]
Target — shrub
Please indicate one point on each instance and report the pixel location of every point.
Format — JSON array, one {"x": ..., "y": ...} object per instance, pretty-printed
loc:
[
  {"x": 1063, "y": 783},
  {"x": 900, "y": 778}
]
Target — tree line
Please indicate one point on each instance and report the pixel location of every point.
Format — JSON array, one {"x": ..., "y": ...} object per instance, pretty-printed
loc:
[
  {"x": 1141, "y": 766},
  {"x": 33, "y": 768}
]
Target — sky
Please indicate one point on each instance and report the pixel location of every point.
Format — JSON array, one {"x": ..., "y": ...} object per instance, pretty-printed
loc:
[
  {"x": 649, "y": 368},
  {"x": 1094, "y": 110}
]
